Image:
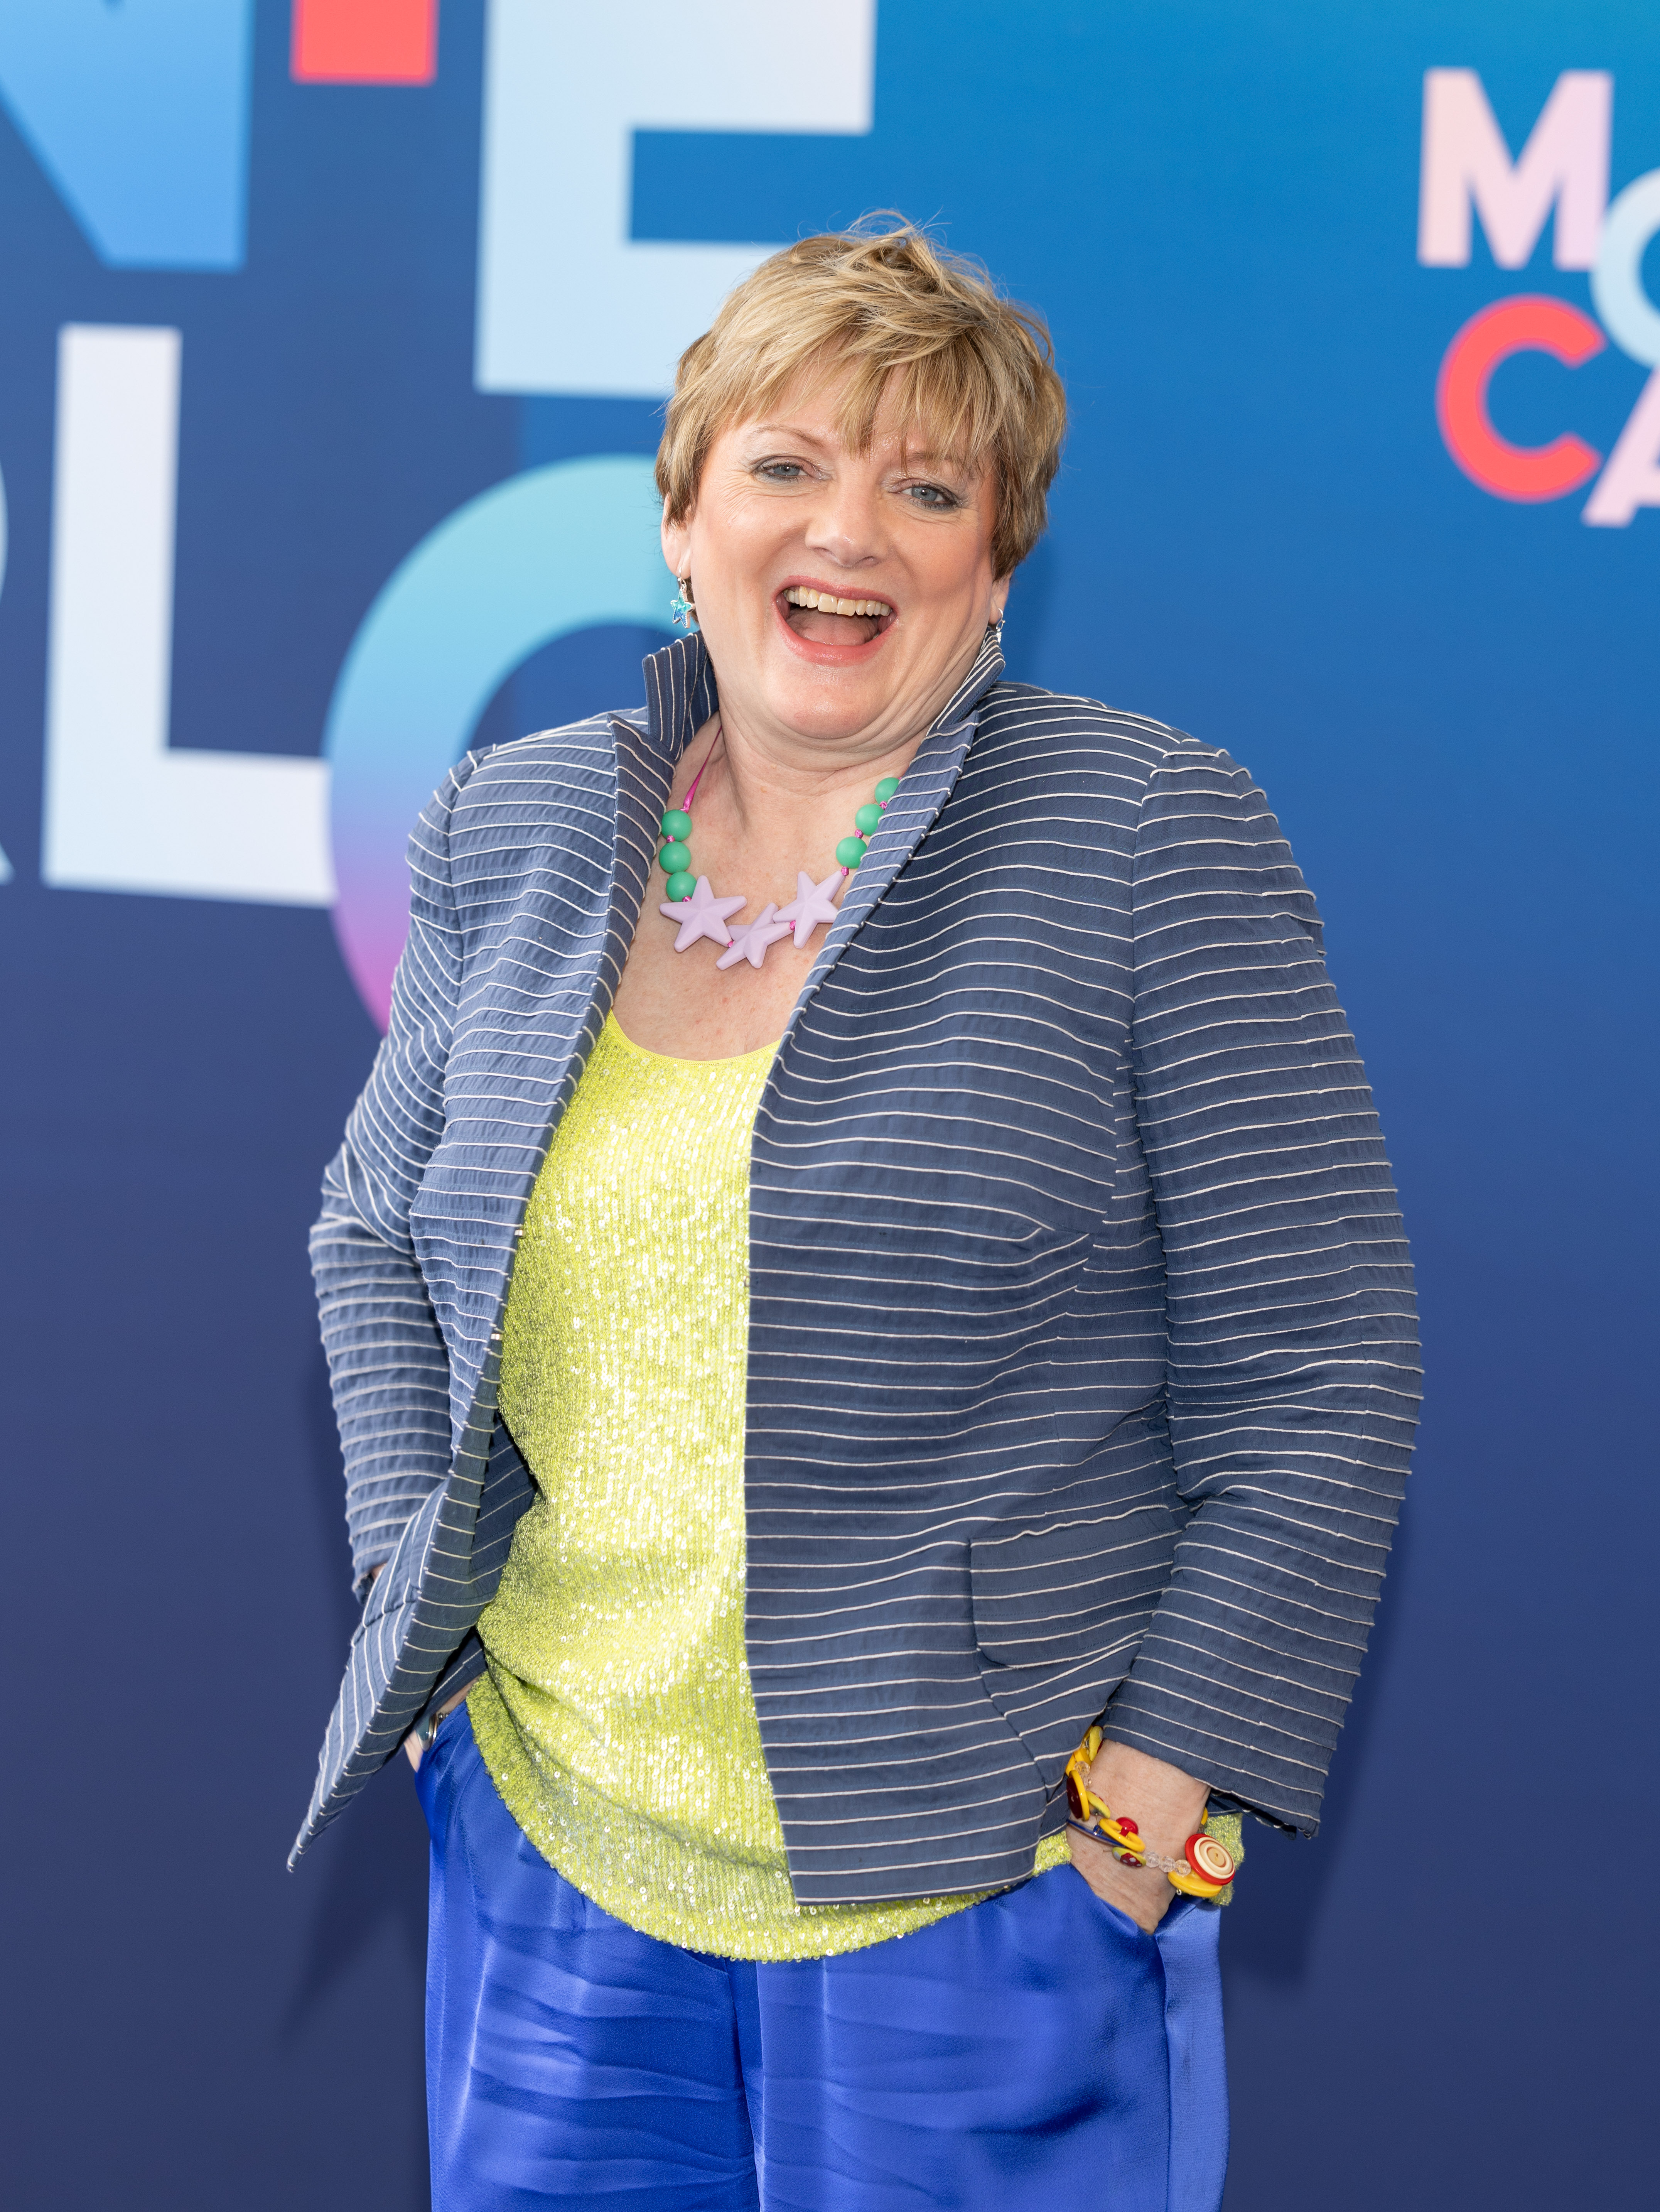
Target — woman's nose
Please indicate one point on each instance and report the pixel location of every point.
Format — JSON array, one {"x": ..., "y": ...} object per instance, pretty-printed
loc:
[{"x": 847, "y": 526}]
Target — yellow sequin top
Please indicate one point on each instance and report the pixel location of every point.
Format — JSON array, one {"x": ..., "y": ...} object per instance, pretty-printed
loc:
[{"x": 617, "y": 1720}]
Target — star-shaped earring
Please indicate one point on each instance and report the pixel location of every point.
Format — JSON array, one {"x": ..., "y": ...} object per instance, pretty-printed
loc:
[
  {"x": 703, "y": 914},
  {"x": 811, "y": 905},
  {"x": 750, "y": 942}
]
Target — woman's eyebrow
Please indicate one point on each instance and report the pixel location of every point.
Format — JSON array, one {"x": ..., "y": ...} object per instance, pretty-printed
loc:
[
  {"x": 792, "y": 430},
  {"x": 936, "y": 462}
]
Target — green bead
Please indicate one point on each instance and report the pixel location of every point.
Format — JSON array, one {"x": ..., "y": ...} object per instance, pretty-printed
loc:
[
  {"x": 682, "y": 885},
  {"x": 850, "y": 852},
  {"x": 676, "y": 823},
  {"x": 867, "y": 818},
  {"x": 675, "y": 859},
  {"x": 887, "y": 787}
]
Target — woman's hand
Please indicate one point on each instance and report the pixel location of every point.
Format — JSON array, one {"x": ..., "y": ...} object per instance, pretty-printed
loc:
[
  {"x": 1167, "y": 1806},
  {"x": 413, "y": 1747}
]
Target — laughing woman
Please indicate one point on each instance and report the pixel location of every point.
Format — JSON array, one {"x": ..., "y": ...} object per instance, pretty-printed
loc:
[{"x": 873, "y": 1344}]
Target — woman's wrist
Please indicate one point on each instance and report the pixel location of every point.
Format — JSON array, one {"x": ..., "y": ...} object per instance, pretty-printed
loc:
[{"x": 1166, "y": 1806}]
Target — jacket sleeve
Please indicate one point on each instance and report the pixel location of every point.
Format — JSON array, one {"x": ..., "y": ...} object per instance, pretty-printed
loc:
[
  {"x": 388, "y": 1365},
  {"x": 1293, "y": 1373}
]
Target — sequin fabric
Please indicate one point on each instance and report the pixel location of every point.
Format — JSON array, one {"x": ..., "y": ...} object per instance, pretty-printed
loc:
[{"x": 617, "y": 1720}]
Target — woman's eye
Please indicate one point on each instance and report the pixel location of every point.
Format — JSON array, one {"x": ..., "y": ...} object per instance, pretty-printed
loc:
[
  {"x": 781, "y": 471},
  {"x": 928, "y": 495}
]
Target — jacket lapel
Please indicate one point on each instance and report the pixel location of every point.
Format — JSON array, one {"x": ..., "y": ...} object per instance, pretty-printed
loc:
[
  {"x": 680, "y": 696},
  {"x": 910, "y": 814}
]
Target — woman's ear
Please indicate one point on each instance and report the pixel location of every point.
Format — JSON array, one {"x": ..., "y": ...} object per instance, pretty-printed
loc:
[{"x": 676, "y": 543}]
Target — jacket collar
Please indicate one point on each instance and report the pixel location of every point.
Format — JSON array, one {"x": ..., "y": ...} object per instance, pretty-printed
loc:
[{"x": 680, "y": 696}]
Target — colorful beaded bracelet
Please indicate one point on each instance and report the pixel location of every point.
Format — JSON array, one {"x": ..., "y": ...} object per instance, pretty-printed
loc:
[{"x": 1206, "y": 1866}]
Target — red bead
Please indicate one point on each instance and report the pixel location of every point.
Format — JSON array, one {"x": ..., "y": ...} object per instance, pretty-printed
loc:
[
  {"x": 1209, "y": 1860},
  {"x": 1129, "y": 1827}
]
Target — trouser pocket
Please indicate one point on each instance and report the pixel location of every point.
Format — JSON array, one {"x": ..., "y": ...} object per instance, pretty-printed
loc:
[{"x": 435, "y": 1775}]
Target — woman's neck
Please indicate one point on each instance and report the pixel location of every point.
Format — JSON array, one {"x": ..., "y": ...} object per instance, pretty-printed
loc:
[{"x": 758, "y": 788}]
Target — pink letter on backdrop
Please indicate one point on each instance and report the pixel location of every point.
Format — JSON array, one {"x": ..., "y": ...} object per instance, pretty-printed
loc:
[
  {"x": 1564, "y": 164},
  {"x": 1532, "y": 324},
  {"x": 365, "y": 41},
  {"x": 1632, "y": 478}
]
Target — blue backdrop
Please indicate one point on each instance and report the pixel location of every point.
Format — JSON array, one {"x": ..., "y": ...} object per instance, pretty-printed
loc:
[{"x": 362, "y": 292}]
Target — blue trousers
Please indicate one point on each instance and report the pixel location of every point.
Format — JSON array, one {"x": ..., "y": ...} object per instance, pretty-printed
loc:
[{"x": 1031, "y": 2054}]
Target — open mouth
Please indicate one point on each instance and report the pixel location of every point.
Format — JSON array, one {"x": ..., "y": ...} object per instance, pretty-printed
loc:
[{"x": 824, "y": 618}]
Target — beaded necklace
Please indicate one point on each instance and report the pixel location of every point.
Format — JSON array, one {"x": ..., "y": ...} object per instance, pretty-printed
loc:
[{"x": 695, "y": 906}]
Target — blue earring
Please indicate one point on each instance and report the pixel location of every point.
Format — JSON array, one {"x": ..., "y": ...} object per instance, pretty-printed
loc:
[{"x": 681, "y": 611}]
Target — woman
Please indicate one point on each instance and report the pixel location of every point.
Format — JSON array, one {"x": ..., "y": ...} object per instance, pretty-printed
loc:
[{"x": 872, "y": 1340}]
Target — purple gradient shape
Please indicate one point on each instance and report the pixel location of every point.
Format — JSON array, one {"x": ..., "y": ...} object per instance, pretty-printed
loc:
[{"x": 555, "y": 550}]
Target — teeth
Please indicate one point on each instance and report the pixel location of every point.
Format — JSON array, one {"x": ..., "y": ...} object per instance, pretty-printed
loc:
[{"x": 827, "y": 603}]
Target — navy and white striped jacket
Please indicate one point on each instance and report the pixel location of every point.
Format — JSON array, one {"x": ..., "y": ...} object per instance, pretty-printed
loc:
[{"x": 1083, "y": 1366}]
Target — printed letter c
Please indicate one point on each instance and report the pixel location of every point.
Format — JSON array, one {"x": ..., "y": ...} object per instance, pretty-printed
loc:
[{"x": 1532, "y": 324}]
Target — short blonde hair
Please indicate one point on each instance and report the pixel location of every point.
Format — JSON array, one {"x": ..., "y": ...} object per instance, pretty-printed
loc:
[{"x": 968, "y": 368}]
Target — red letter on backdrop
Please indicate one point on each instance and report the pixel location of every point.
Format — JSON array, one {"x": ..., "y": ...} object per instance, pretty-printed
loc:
[
  {"x": 1532, "y": 323},
  {"x": 365, "y": 41}
]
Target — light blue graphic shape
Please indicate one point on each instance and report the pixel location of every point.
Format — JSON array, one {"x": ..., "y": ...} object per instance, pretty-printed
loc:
[
  {"x": 138, "y": 112},
  {"x": 559, "y": 549},
  {"x": 1631, "y": 318}
]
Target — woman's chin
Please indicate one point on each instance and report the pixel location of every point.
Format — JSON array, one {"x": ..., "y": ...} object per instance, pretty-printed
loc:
[{"x": 824, "y": 701}]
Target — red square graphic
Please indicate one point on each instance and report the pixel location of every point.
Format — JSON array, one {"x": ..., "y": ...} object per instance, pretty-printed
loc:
[{"x": 365, "y": 41}]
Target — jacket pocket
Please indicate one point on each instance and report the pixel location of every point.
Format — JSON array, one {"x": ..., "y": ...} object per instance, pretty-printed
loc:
[{"x": 1063, "y": 1585}]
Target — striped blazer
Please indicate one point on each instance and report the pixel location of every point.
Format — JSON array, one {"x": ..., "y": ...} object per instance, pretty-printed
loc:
[{"x": 1082, "y": 1365}]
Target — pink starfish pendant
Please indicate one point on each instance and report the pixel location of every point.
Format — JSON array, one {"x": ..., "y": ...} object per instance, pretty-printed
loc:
[
  {"x": 750, "y": 942},
  {"x": 703, "y": 914},
  {"x": 812, "y": 904}
]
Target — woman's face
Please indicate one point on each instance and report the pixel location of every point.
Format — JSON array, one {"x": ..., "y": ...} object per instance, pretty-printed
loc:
[{"x": 897, "y": 538}]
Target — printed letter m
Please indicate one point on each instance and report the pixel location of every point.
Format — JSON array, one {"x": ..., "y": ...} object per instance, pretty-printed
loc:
[{"x": 1564, "y": 163}]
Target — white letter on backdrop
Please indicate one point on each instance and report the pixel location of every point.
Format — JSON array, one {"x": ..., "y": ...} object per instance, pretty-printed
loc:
[
  {"x": 1631, "y": 476},
  {"x": 1465, "y": 158},
  {"x": 566, "y": 301},
  {"x": 122, "y": 812},
  {"x": 1630, "y": 317}
]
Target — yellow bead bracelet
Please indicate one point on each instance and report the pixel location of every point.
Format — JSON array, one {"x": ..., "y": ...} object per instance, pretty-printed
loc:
[{"x": 1206, "y": 1866}]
